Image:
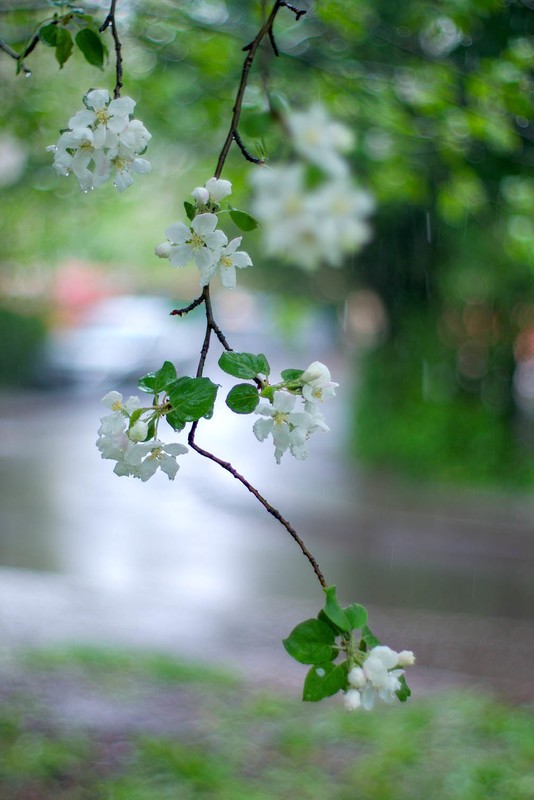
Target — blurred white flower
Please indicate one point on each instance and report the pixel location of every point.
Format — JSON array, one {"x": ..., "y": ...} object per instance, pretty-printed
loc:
[
  {"x": 309, "y": 227},
  {"x": 320, "y": 139}
]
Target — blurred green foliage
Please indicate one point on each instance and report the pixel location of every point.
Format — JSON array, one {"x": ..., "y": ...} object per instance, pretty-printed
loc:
[
  {"x": 22, "y": 338},
  {"x": 198, "y": 734},
  {"x": 441, "y": 100}
]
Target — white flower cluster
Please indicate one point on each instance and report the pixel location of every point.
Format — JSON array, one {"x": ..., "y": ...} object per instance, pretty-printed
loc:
[
  {"x": 202, "y": 243},
  {"x": 312, "y": 226},
  {"x": 378, "y": 677},
  {"x": 102, "y": 141},
  {"x": 291, "y": 429},
  {"x": 123, "y": 442}
]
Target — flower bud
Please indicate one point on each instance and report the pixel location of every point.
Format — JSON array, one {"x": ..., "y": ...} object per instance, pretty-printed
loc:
[
  {"x": 218, "y": 189},
  {"x": 138, "y": 431},
  {"x": 352, "y": 700},
  {"x": 317, "y": 374},
  {"x": 163, "y": 250},
  {"x": 406, "y": 658},
  {"x": 356, "y": 678},
  {"x": 201, "y": 195}
]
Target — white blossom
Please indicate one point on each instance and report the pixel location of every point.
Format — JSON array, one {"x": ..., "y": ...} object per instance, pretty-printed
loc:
[
  {"x": 102, "y": 141},
  {"x": 379, "y": 675},
  {"x": 229, "y": 259},
  {"x": 317, "y": 384},
  {"x": 290, "y": 429},
  {"x": 200, "y": 242},
  {"x": 124, "y": 443}
]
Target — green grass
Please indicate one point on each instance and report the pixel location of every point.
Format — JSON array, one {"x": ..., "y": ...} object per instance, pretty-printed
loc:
[{"x": 221, "y": 740}]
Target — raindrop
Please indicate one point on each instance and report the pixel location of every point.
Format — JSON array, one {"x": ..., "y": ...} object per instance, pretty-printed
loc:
[{"x": 27, "y": 73}]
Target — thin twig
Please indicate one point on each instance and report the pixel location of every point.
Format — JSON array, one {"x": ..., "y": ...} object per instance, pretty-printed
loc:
[
  {"x": 250, "y": 49},
  {"x": 181, "y": 312},
  {"x": 248, "y": 156},
  {"x": 30, "y": 47},
  {"x": 110, "y": 22},
  {"x": 268, "y": 507}
]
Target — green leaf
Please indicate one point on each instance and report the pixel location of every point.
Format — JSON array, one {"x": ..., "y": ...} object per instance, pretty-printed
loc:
[
  {"x": 356, "y": 615},
  {"x": 244, "y": 365},
  {"x": 311, "y": 642},
  {"x": 190, "y": 210},
  {"x": 368, "y": 637},
  {"x": 243, "y": 220},
  {"x": 334, "y": 612},
  {"x": 135, "y": 415},
  {"x": 324, "y": 680},
  {"x": 243, "y": 398},
  {"x": 322, "y": 616},
  {"x": 90, "y": 44},
  {"x": 64, "y": 46},
  {"x": 404, "y": 692},
  {"x": 48, "y": 35},
  {"x": 192, "y": 398},
  {"x": 156, "y": 382},
  {"x": 176, "y": 422},
  {"x": 265, "y": 368},
  {"x": 291, "y": 374}
]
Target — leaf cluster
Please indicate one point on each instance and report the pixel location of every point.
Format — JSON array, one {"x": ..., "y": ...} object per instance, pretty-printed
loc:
[
  {"x": 189, "y": 399},
  {"x": 320, "y": 641},
  {"x": 244, "y": 397},
  {"x": 56, "y": 33}
]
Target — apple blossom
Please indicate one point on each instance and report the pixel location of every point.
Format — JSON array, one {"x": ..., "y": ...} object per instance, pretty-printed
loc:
[
  {"x": 378, "y": 676},
  {"x": 229, "y": 259},
  {"x": 200, "y": 242},
  {"x": 316, "y": 383},
  {"x": 102, "y": 136},
  {"x": 290, "y": 429}
]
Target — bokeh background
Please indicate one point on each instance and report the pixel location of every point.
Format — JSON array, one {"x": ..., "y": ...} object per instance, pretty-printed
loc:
[{"x": 419, "y": 502}]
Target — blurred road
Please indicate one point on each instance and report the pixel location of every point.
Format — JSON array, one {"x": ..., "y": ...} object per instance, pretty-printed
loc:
[{"x": 198, "y": 568}]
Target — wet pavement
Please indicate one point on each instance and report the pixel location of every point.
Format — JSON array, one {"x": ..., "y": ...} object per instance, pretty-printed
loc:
[{"x": 196, "y": 567}]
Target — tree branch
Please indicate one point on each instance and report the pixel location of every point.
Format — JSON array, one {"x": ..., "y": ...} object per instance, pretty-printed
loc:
[
  {"x": 204, "y": 298},
  {"x": 250, "y": 49},
  {"x": 110, "y": 22}
]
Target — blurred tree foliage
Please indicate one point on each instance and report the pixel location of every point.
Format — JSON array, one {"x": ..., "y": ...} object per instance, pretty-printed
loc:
[{"x": 440, "y": 96}]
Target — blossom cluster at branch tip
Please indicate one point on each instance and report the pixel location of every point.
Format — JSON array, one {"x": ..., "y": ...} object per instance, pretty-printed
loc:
[
  {"x": 322, "y": 224},
  {"x": 102, "y": 141},
  {"x": 290, "y": 428},
  {"x": 377, "y": 678},
  {"x": 202, "y": 243},
  {"x": 124, "y": 442}
]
